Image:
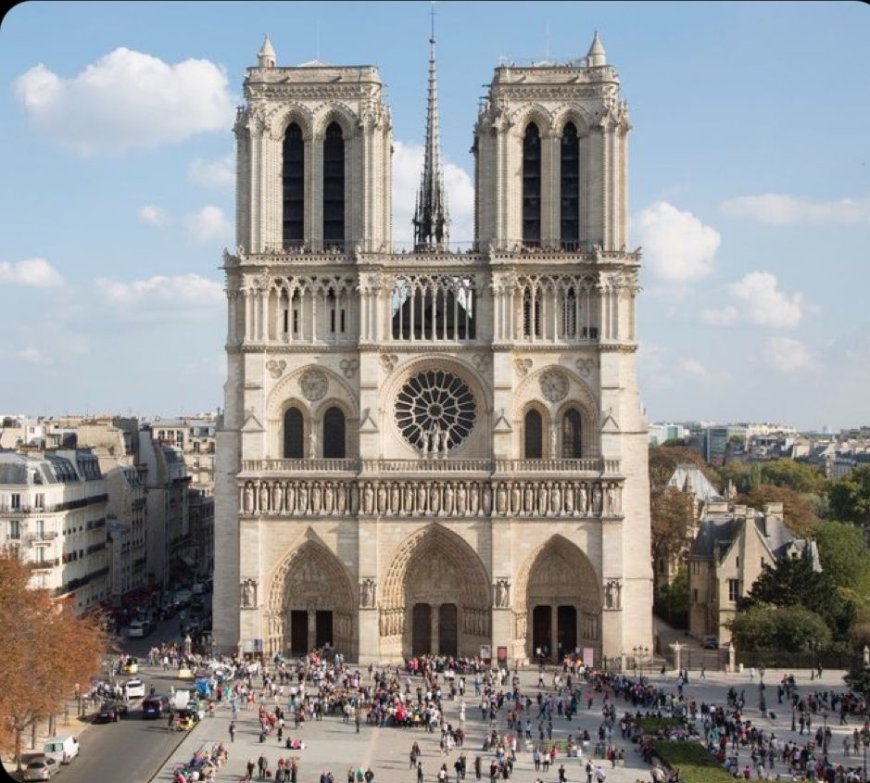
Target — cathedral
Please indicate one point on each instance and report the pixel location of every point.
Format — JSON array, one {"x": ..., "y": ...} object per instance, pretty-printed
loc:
[{"x": 439, "y": 448}]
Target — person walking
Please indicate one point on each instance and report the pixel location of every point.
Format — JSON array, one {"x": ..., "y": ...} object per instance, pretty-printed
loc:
[
  {"x": 419, "y": 772},
  {"x": 250, "y": 767},
  {"x": 232, "y": 731}
]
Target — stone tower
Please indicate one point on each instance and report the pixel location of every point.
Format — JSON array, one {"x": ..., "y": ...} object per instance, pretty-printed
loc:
[{"x": 434, "y": 451}]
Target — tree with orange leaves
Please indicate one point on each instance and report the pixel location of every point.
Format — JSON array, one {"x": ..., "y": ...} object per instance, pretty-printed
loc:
[{"x": 45, "y": 649}]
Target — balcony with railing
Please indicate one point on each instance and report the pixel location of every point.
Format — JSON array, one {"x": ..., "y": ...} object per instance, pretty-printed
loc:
[
  {"x": 587, "y": 465},
  {"x": 45, "y": 537}
]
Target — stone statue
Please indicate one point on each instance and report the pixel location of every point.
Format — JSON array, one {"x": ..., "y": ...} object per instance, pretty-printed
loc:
[
  {"x": 328, "y": 498},
  {"x": 249, "y": 593},
  {"x": 278, "y": 497},
  {"x": 502, "y": 588},
  {"x": 583, "y": 501},
  {"x": 249, "y": 498},
  {"x": 264, "y": 498},
  {"x": 291, "y": 497},
  {"x": 303, "y": 498},
  {"x": 368, "y": 498},
  {"x": 408, "y": 497},
  {"x": 461, "y": 493},
  {"x": 394, "y": 498},
  {"x": 501, "y": 498},
  {"x": 596, "y": 499},
  {"x": 516, "y": 498},
  {"x": 316, "y": 498},
  {"x": 368, "y": 593},
  {"x": 474, "y": 499},
  {"x": 312, "y": 443},
  {"x": 382, "y": 498},
  {"x": 448, "y": 498},
  {"x": 443, "y": 436},
  {"x": 556, "y": 499},
  {"x": 341, "y": 498},
  {"x": 569, "y": 500}
]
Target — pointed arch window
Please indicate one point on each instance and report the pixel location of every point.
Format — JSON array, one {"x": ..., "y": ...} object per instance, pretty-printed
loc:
[
  {"x": 294, "y": 430},
  {"x": 533, "y": 435},
  {"x": 532, "y": 306},
  {"x": 333, "y": 187},
  {"x": 532, "y": 186},
  {"x": 572, "y": 441},
  {"x": 570, "y": 187},
  {"x": 333, "y": 434},
  {"x": 293, "y": 181}
]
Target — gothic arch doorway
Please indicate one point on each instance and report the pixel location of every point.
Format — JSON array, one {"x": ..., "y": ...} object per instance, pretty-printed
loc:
[
  {"x": 310, "y": 604},
  {"x": 436, "y": 597},
  {"x": 558, "y": 601}
]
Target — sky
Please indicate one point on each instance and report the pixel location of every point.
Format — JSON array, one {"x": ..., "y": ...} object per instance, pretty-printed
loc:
[{"x": 749, "y": 187}]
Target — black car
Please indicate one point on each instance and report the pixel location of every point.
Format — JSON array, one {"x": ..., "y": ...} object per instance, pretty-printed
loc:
[
  {"x": 111, "y": 711},
  {"x": 155, "y": 706}
]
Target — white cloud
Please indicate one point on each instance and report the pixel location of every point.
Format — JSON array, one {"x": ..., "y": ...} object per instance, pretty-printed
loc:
[
  {"x": 786, "y": 355},
  {"x": 33, "y": 355},
  {"x": 126, "y": 100},
  {"x": 219, "y": 173},
  {"x": 722, "y": 317},
  {"x": 783, "y": 210},
  {"x": 677, "y": 246},
  {"x": 182, "y": 292},
  {"x": 33, "y": 272},
  {"x": 208, "y": 223},
  {"x": 153, "y": 215},
  {"x": 763, "y": 304},
  {"x": 407, "y": 170}
]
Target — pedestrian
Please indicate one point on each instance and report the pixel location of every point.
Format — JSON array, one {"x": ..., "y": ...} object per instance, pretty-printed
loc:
[
  {"x": 232, "y": 731},
  {"x": 356, "y": 720},
  {"x": 263, "y": 765},
  {"x": 419, "y": 772},
  {"x": 251, "y": 766},
  {"x": 369, "y": 775},
  {"x": 562, "y": 776}
]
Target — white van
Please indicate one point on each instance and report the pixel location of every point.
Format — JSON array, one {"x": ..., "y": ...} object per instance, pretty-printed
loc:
[{"x": 62, "y": 749}]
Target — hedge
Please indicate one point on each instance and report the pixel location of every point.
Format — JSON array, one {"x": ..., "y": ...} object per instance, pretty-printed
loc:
[{"x": 696, "y": 765}]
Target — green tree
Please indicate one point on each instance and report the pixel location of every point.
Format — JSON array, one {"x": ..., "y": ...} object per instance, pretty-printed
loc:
[
  {"x": 672, "y": 601},
  {"x": 858, "y": 680},
  {"x": 764, "y": 627},
  {"x": 850, "y": 497},
  {"x": 845, "y": 557},
  {"x": 794, "y": 475},
  {"x": 739, "y": 473},
  {"x": 793, "y": 582},
  {"x": 797, "y": 511},
  {"x": 671, "y": 511}
]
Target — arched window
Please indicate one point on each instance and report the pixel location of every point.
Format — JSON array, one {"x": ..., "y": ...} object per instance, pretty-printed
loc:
[
  {"x": 333, "y": 434},
  {"x": 293, "y": 176},
  {"x": 533, "y": 434},
  {"x": 532, "y": 306},
  {"x": 294, "y": 431},
  {"x": 570, "y": 311},
  {"x": 532, "y": 186},
  {"x": 333, "y": 187},
  {"x": 570, "y": 195},
  {"x": 572, "y": 443}
]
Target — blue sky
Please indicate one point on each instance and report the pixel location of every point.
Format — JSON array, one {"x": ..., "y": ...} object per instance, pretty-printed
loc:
[{"x": 749, "y": 186}]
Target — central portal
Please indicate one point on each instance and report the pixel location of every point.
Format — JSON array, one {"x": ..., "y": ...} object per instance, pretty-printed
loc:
[{"x": 448, "y": 630}]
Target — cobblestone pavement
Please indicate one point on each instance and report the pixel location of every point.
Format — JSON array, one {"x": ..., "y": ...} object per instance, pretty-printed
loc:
[{"x": 334, "y": 745}]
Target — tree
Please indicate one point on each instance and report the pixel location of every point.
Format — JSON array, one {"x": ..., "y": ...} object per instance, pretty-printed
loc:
[
  {"x": 858, "y": 680},
  {"x": 671, "y": 511},
  {"x": 793, "y": 582},
  {"x": 794, "y": 475},
  {"x": 764, "y": 627},
  {"x": 45, "y": 650},
  {"x": 739, "y": 473},
  {"x": 797, "y": 511},
  {"x": 672, "y": 601},
  {"x": 845, "y": 557},
  {"x": 850, "y": 497}
]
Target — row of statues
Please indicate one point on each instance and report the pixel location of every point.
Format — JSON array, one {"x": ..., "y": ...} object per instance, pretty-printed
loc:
[{"x": 438, "y": 498}]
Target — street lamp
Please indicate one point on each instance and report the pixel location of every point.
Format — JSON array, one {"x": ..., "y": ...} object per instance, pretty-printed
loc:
[{"x": 825, "y": 730}]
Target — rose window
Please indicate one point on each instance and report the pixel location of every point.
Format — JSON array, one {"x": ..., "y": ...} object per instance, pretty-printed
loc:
[{"x": 435, "y": 411}]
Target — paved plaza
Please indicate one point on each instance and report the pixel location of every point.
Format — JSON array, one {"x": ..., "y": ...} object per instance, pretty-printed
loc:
[{"x": 336, "y": 746}]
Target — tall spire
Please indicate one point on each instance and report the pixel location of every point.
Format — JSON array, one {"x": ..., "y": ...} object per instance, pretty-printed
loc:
[{"x": 431, "y": 221}]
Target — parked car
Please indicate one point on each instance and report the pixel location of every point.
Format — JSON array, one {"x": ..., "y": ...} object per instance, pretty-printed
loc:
[
  {"x": 711, "y": 642},
  {"x": 40, "y": 768},
  {"x": 110, "y": 712},
  {"x": 135, "y": 688},
  {"x": 155, "y": 706}
]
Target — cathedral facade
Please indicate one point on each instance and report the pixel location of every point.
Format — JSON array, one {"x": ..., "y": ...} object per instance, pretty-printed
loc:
[{"x": 438, "y": 448}]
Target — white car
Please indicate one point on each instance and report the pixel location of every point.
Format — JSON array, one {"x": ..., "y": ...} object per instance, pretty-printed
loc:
[
  {"x": 137, "y": 629},
  {"x": 135, "y": 689},
  {"x": 40, "y": 768}
]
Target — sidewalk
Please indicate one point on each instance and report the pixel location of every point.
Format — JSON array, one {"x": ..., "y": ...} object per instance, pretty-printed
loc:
[{"x": 334, "y": 745}]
